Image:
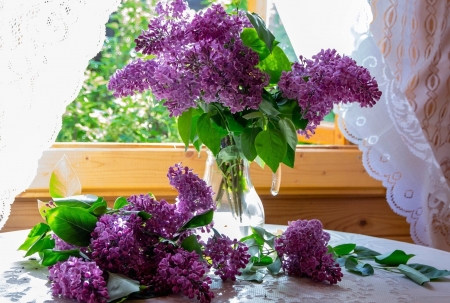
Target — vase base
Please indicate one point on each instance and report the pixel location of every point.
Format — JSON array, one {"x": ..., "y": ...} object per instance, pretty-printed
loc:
[{"x": 225, "y": 224}]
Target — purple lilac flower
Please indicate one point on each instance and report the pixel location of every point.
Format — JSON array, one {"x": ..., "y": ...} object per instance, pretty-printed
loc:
[
  {"x": 194, "y": 195},
  {"x": 326, "y": 80},
  {"x": 79, "y": 280},
  {"x": 303, "y": 251},
  {"x": 135, "y": 77},
  {"x": 181, "y": 271},
  {"x": 227, "y": 256},
  {"x": 165, "y": 220},
  {"x": 195, "y": 61},
  {"x": 118, "y": 245}
]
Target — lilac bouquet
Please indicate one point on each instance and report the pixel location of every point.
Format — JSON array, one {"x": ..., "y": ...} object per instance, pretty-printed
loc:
[
  {"x": 232, "y": 87},
  {"x": 143, "y": 248},
  {"x": 234, "y": 90}
]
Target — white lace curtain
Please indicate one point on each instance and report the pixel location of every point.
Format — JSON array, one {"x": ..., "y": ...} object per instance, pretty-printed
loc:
[
  {"x": 405, "y": 138},
  {"x": 45, "y": 46}
]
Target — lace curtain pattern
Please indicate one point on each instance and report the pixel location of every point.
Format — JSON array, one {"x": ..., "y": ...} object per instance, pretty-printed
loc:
[
  {"x": 45, "y": 46},
  {"x": 405, "y": 138}
]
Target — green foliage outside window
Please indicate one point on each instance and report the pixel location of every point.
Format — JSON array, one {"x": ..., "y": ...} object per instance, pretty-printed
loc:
[{"x": 96, "y": 115}]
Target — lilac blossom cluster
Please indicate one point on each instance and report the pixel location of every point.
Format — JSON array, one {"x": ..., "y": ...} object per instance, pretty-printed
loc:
[
  {"x": 119, "y": 245},
  {"x": 166, "y": 220},
  {"x": 303, "y": 251},
  {"x": 326, "y": 80},
  {"x": 182, "y": 271},
  {"x": 228, "y": 256},
  {"x": 194, "y": 61},
  {"x": 79, "y": 280},
  {"x": 194, "y": 195}
]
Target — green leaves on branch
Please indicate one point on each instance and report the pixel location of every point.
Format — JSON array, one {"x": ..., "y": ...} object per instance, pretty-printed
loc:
[
  {"x": 261, "y": 246},
  {"x": 271, "y": 147},
  {"x": 199, "y": 220},
  {"x": 37, "y": 240},
  {"x": 50, "y": 257},
  {"x": 263, "y": 33},
  {"x": 394, "y": 258},
  {"x": 72, "y": 224},
  {"x": 351, "y": 256},
  {"x": 275, "y": 64}
]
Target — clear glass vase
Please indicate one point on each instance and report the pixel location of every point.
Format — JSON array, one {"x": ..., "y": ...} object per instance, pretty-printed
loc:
[{"x": 238, "y": 204}]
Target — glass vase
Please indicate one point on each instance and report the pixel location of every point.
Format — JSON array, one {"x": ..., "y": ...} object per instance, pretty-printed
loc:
[{"x": 238, "y": 204}]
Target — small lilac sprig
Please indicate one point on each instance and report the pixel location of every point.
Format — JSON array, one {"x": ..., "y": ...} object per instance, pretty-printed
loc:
[
  {"x": 228, "y": 256},
  {"x": 181, "y": 271},
  {"x": 79, "y": 280},
  {"x": 325, "y": 80},
  {"x": 194, "y": 195},
  {"x": 166, "y": 220},
  {"x": 303, "y": 251}
]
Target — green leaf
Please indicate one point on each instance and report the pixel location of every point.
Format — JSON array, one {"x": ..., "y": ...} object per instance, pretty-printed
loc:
[
  {"x": 99, "y": 207},
  {"x": 289, "y": 158},
  {"x": 268, "y": 108},
  {"x": 353, "y": 265},
  {"x": 120, "y": 286},
  {"x": 63, "y": 180},
  {"x": 394, "y": 258},
  {"x": 184, "y": 124},
  {"x": 254, "y": 244},
  {"x": 268, "y": 237},
  {"x": 430, "y": 271},
  {"x": 363, "y": 252},
  {"x": 120, "y": 202},
  {"x": 39, "y": 230},
  {"x": 40, "y": 245},
  {"x": 228, "y": 154},
  {"x": 413, "y": 274},
  {"x": 73, "y": 225},
  {"x": 275, "y": 64},
  {"x": 84, "y": 201},
  {"x": 51, "y": 257},
  {"x": 263, "y": 33},
  {"x": 271, "y": 147},
  {"x": 275, "y": 267},
  {"x": 144, "y": 215},
  {"x": 261, "y": 261},
  {"x": 194, "y": 134},
  {"x": 43, "y": 208},
  {"x": 210, "y": 133},
  {"x": 291, "y": 110},
  {"x": 234, "y": 126},
  {"x": 251, "y": 275},
  {"x": 35, "y": 234},
  {"x": 250, "y": 38},
  {"x": 191, "y": 244},
  {"x": 344, "y": 249},
  {"x": 199, "y": 220},
  {"x": 253, "y": 115},
  {"x": 248, "y": 142},
  {"x": 289, "y": 132}
]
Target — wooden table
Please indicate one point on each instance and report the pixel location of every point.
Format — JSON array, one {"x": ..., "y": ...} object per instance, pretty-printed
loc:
[{"x": 23, "y": 280}]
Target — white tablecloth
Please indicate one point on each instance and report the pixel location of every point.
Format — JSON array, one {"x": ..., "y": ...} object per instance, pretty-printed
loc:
[{"x": 24, "y": 281}]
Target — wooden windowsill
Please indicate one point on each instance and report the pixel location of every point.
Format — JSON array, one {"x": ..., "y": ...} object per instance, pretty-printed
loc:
[{"x": 328, "y": 183}]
